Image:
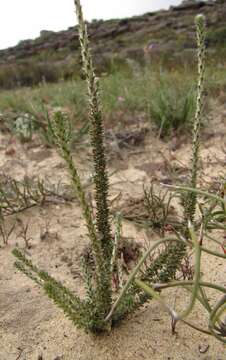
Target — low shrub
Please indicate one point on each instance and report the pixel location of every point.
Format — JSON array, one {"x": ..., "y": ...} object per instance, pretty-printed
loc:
[
  {"x": 171, "y": 105},
  {"x": 217, "y": 37},
  {"x": 27, "y": 73}
]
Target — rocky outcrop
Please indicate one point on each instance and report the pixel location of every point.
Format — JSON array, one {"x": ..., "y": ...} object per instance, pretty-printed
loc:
[{"x": 192, "y": 5}]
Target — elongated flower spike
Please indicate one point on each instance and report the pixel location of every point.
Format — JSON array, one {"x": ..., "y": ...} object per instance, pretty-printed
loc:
[
  {"x": 190, "y": 206},
  {"x": 101, "y": 180}
]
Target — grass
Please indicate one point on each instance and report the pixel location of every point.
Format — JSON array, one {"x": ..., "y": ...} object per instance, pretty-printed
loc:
[
  {"x": 165, "y": 98},
  {"x": 150, "y": 93},
  {"x": 172, "y": 105}
]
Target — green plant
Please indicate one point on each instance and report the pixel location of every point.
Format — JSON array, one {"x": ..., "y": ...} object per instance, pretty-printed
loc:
[
  {"x": 167, "y": 263},
  {"x": 98, "y": 301},
  {"x": 103, "y": 305},
  {"x": 217, "y": 37},
  {"x": 197, "y": 287},
  {"x": 213, "y": 217},
  {"x": 24, "y": 127},
  {"x": 91, "y": 312},
  {"x": 158, "y": 206},
  {"x": 171, "y": 105},
  {"x": 190, "y": 201}
]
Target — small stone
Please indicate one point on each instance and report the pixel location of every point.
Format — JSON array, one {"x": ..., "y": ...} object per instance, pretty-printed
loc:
[{"x": 203, "y": 348}]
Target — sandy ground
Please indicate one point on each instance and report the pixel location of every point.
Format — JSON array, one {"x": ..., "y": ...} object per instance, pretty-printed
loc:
[{"x": 31, "y": 326}]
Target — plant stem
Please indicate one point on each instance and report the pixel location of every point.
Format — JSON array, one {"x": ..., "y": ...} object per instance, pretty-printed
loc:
[
  {"x": 136, "y": 270},
  {"x": 99, "y": 160},
  {"x": 196, "y": 191},
  {"x": 189, "y": 283}
]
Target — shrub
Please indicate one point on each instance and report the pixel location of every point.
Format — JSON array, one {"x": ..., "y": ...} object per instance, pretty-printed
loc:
[
  {"x": 27, "y": 73},
  {"x": 172, "y": 105},
  {"x": 217, "y": 37}
]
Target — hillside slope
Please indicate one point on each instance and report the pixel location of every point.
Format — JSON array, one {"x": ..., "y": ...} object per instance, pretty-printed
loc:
[{"x": 55, "y": 55}]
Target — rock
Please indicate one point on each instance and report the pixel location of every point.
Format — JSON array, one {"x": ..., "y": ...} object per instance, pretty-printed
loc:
[
  {"x": 203, "y": 348},
  {"x": 46, "y": 33},
  {"x": 191, "y": 5}
]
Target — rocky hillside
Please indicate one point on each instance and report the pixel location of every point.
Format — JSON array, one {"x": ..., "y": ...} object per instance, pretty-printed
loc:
[{"x": 55, "y": 55}]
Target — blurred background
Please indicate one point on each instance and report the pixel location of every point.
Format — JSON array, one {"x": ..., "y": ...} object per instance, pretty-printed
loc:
[{"x": 20, "y": 20}]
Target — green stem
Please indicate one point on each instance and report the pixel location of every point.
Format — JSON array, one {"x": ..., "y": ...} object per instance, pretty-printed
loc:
[
  {"x": 136, "y": 270},
  {"x": 197, "y": 191},
  {"x": 204, "y": 299},
  {"x": 152, "y": 293},
  {"x": 214, "y": 253},
  {"x": 188, "y": 283},
  {"x": 218, "y": 310},
  {"x": 196, "y": 275}
]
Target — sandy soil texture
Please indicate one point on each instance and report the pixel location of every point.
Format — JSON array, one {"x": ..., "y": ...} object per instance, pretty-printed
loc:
[{"x": 31, "y": 326}]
